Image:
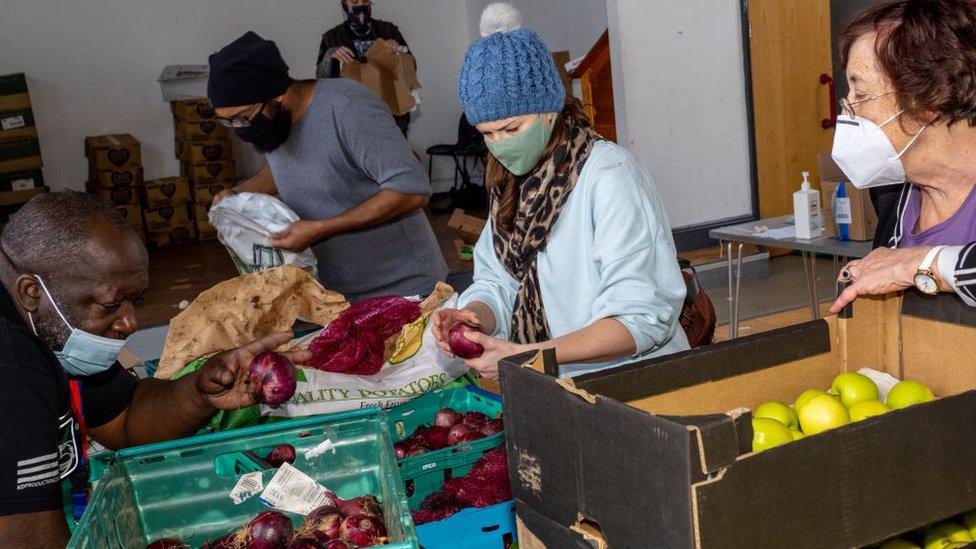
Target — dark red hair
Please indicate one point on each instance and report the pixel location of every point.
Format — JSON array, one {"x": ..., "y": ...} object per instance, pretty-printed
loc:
[{"x": 927, "y": 48}]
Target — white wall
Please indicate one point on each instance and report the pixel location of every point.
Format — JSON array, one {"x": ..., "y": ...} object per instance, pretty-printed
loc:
[
  {"x": 92, "y": 64},
  {"x": 570, "y": 25},
  {"x": 678, "y": 77}
]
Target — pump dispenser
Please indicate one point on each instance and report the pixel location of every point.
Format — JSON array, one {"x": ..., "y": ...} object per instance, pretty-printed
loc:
[{"x": 806, "y": 211}]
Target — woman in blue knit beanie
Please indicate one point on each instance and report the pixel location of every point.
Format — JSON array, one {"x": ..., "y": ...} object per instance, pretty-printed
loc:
[{"x": 578, "y": 253}]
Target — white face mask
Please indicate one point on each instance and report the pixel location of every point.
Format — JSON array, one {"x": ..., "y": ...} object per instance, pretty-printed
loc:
[
  {"x": 865, "y": 154},
  {"x": 83, "y": 354}
]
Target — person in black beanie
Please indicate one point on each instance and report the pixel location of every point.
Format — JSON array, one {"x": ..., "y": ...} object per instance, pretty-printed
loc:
[
  {"x": 349, "y": 41},
  {"x": 335, "y": 157}
]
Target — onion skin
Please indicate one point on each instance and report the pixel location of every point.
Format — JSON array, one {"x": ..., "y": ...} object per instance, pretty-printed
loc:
[
  {"x": 461, "y": 346},
  {"x": 447, "y": 418},
  {"x": 461, "y": 433},
  {"x": 338, "y": 544},
  {"x": 363, "y": 505},
  {"x": 282, "y": 453},
  {"x": 305, "y": 543},
  {"x": 274, "y": 377}
]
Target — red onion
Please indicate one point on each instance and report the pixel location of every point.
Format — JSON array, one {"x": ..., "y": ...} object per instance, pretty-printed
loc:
[
  {"x": 400, "y": 449},
  {"x": 447, "y": 417},
  {"x": 321, "y": 526},
  {"x": 282, "y": 453},
  {"x": 493, "y": 426},
  {"x": 167, "y": 543},
  {"x": 363, "y": 530},
  {"x": 305, "y": 543},
  {"x": 274, "y": 376},
  {"x": 223, "y": 542},
  {"x": 461, "y": 346},
  {"x": 338, "y": 544},
  {"x": 475, "y": 420},
  {"x": 268, "y": 530},
  {"x": 363, "y": 505},
  {"x": 437, "y": 437},
  {"x": 462, "y": 433}
]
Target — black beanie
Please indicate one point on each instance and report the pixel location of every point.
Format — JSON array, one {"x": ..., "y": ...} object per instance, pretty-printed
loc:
[{"x": 249, "y": 70}]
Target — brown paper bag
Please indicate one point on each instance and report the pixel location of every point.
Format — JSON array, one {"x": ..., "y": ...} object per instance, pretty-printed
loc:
[{"x": 240, "y": 310}]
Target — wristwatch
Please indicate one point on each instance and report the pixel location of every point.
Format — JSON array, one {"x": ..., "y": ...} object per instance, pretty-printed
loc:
[{"x": 924, "y": 279}]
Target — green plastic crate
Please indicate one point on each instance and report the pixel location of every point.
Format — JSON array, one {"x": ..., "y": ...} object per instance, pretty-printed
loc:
[
  {"x": 473, "y": 528},
  {"x": 180, "y": 489},
  {"x": 405, "y": 418}
]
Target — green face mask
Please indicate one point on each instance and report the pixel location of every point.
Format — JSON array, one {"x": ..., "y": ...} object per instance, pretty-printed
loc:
[{"x": 521, "y": 152}]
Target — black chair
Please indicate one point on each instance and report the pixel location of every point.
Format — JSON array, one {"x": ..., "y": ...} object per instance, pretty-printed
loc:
[{"x": 470, "y": 144}]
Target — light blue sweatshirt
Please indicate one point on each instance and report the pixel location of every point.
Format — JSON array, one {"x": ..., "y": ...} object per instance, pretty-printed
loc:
[{"x": 610, "y": 255}]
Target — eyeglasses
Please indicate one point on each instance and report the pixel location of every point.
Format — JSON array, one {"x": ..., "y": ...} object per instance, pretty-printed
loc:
[
  {"x": 240, "y": 121},
  {"x": 846, "y": 107}
]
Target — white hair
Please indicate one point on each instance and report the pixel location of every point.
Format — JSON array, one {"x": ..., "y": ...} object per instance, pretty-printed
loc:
[{"x": 500, "y": 17}]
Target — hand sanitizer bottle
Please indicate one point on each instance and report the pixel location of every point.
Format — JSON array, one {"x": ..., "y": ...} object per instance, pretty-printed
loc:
[{"x": 806, "y": 211}]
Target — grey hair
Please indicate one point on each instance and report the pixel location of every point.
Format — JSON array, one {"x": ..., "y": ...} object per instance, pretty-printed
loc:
[{"x": 52, "y": 230}]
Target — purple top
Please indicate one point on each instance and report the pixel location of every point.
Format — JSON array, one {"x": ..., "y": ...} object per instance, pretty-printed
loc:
[{"x": 958, "y": 230}]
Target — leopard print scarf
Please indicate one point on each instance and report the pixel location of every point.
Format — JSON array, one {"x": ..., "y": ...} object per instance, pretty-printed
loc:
[{"x": 541, "y": 198}]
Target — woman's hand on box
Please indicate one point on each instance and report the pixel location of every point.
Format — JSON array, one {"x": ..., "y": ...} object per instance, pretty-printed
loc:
[
  {"x": 222, "y": 382},
  {"x": 882, "y": 271}
]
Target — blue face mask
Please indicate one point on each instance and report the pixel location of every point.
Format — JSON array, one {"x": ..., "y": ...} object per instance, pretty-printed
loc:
[{"x": 83, "y": 354}]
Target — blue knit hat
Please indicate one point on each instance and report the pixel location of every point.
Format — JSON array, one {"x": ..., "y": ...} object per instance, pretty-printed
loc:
[{"x": 506, "y": 74}]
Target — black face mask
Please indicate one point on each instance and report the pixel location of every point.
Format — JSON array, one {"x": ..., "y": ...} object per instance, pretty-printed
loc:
[
  {"x": 267, "y": 134},
  {"x": 359, "y": 18}
]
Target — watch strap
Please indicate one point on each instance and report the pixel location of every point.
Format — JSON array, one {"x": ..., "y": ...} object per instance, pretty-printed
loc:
[{"x": 929, "y": 258}]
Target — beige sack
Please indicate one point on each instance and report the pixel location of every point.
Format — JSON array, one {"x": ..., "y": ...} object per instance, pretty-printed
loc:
[{"x": 240, "y": 310}]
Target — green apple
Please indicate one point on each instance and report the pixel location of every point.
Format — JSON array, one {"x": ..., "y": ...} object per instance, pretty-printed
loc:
[
  {"x": 822, "y": 412},
  {"x": 778, "y": 411},
  {"x": 866, "y": 409},
  {"x": 805, "y": 397},
  {"x": 969, "y": 521},
  {"x": 796, "y": 434},
  {"x": 944, "y": 532},
  {"x": 907, "y": 393},
  {"x": 898, "y": 543},
  {"x": 853, "y": 388},
  {"x": 768, "y": 433}
]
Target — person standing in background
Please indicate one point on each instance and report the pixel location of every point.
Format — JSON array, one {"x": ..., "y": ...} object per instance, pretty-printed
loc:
[{"x": 350, "y": 40}]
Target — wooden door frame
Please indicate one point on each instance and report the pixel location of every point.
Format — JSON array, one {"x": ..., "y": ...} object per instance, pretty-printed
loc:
[{"x": 694, "y": 237}]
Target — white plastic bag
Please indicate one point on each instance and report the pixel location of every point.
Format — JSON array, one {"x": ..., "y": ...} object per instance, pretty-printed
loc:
[
  {"x": 426, "y": 370},
  {"x": 245, "y": 223}
]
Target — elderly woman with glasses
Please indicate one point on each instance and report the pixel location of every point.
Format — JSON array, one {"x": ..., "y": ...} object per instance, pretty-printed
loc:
[{"x": 908, "y": 132}]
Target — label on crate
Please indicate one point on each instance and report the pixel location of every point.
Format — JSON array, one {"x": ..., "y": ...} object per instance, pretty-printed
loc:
[
  {"x": 247, "y": 486},
  {"x": 13, "y": 122},
  {"x": 293, "y": 491}
]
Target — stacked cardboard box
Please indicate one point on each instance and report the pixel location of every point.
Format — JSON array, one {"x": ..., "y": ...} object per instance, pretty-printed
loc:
[
  {"x": 115, "y": 175},
  {"x": 168, "y": 211},
  {"x": 206, "y": 158},
  {"x": 20, "y": 151}
]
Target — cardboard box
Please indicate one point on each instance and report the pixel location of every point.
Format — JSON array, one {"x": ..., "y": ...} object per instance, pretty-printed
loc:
[
  {"x": 199, "y": 130},
  {"x": 108, "y": 152},
  {"x": 116, "y": 196},
  {"x": 12, "y": 201},
  {"x": 205, "y": 231},
  {"x": 182, "y": 82},
  {"x": 205, "y": 193},
  {"x": 13, "y": 92},
  {"x": 863, "y": 219},
  {"x": 192, "y": 109},
  {"x": 17, "y": 155},
  {"x": 17, "y": 124},
  {"x": 21, "y": 181},
  {"x": 117, "y": 177},
  {"x": 168, "y": 217},
  {"x": 465, "y": 227},
  {"x": 165, "y": 192},
  {"x": 133, "y": 215},
  {"x": 173, "y": 235},
  {"x": 657, "y": 453},
  {"x": 206, "y": 151},
  {"x": 390, "y": 76},
  {"x": 221, "y": 170}
]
